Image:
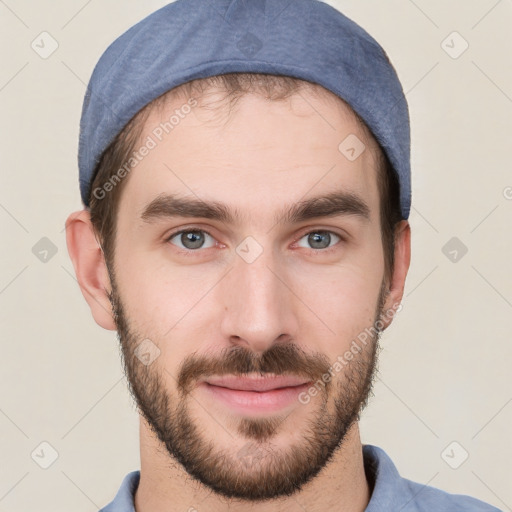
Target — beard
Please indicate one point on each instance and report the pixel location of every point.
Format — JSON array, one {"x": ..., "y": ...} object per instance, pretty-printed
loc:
[{"x": 258, "y": 470}]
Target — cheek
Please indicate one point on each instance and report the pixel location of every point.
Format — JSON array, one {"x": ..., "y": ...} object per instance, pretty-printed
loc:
[
  {"x": 165, "y": 305},
  {"x": 154, "y": 298},
  {"x": 344, "y": 298}
]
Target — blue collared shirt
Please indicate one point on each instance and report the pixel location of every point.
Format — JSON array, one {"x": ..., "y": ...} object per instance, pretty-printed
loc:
[{"x": 390, "y": 493}]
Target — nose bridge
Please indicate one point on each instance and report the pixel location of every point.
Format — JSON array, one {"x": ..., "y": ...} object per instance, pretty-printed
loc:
[{"x": 258, "y": 307}]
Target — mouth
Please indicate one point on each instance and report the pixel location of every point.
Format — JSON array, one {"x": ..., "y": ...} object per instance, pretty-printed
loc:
[
  {"x": 258, "y": 383},
  {"x": 255, "y": 394}
]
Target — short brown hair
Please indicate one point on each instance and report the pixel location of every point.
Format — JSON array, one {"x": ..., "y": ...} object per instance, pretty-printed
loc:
[{"x": 104, "y": 210}]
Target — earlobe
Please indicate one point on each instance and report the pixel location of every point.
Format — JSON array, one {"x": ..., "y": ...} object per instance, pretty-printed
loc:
[
  {"x": 400, "y": 269},
  {"x": 90, "y": 268}
]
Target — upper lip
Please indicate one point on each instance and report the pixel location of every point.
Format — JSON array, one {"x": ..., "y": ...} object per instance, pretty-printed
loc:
[{"x": 256, "y": 383}]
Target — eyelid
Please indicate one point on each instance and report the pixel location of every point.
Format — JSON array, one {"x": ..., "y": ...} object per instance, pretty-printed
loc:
[
  {"x": 336, "y": 231},
  {"x": 185, "y": 229}
]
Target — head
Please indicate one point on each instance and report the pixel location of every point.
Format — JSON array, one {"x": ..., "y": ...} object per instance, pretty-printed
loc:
[{"x": 245, "y": 243}]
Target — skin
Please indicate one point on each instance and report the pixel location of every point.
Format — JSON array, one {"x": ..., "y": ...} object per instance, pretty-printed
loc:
[{"x": 198, "y": 308}]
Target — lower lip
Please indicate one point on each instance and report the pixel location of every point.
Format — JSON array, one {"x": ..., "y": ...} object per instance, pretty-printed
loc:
[{"x": 256, "y": 401}]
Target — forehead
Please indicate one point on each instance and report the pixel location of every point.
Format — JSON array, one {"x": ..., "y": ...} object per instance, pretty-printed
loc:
[{"x": 270, "y": 151}]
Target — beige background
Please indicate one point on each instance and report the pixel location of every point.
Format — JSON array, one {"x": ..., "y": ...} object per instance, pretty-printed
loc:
[{"x": 445, "y": 368}]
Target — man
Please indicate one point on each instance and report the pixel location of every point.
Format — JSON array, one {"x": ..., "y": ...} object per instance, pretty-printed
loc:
[{"x": 245, "y": 172}]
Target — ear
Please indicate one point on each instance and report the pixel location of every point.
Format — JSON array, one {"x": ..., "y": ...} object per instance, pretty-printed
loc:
[
  {"x": 90, "y": 268},
  {"x": 400, "y": 269}
]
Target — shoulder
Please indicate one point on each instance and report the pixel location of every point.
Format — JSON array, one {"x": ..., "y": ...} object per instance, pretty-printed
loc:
[
  {"x": 427, "y": 498},
  {"x": 393, "y": 492},
  {"x": 123, "y": 501}
]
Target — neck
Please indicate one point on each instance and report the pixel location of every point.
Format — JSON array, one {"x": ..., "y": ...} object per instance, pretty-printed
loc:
[{"x": 165, "y": 485}]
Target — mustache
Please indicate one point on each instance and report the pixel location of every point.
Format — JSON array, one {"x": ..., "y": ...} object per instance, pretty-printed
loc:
[{"x": 279, "y": 359}]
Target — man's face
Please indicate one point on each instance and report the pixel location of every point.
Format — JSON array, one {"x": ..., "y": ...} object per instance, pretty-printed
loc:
[{"x": 258, "y": 295}]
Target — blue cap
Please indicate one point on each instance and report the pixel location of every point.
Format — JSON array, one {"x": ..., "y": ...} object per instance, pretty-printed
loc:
[{"x": 190, "y": 39}]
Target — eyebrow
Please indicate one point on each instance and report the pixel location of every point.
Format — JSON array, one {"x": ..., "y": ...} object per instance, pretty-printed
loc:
[{"x": 334, "y": 204}]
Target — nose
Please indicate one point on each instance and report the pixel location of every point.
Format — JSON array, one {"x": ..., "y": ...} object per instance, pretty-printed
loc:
[{"x": 260, "y": 308}]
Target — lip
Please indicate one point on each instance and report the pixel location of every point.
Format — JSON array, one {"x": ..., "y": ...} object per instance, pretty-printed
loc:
[
  {"x": 258, "y": 383},
  {"x": 252, "y": 395}
]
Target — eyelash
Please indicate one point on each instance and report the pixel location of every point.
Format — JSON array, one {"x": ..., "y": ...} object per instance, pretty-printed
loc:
[{"x": 190, "y": 251}]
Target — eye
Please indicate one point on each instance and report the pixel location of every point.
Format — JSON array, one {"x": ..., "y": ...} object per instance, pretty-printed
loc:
[
  {"x": 190, "y": 239},
  {"x": 319, "y": 239}
]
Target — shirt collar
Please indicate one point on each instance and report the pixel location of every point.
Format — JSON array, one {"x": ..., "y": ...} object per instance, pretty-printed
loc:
[{"x": 390, "y": 490}]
